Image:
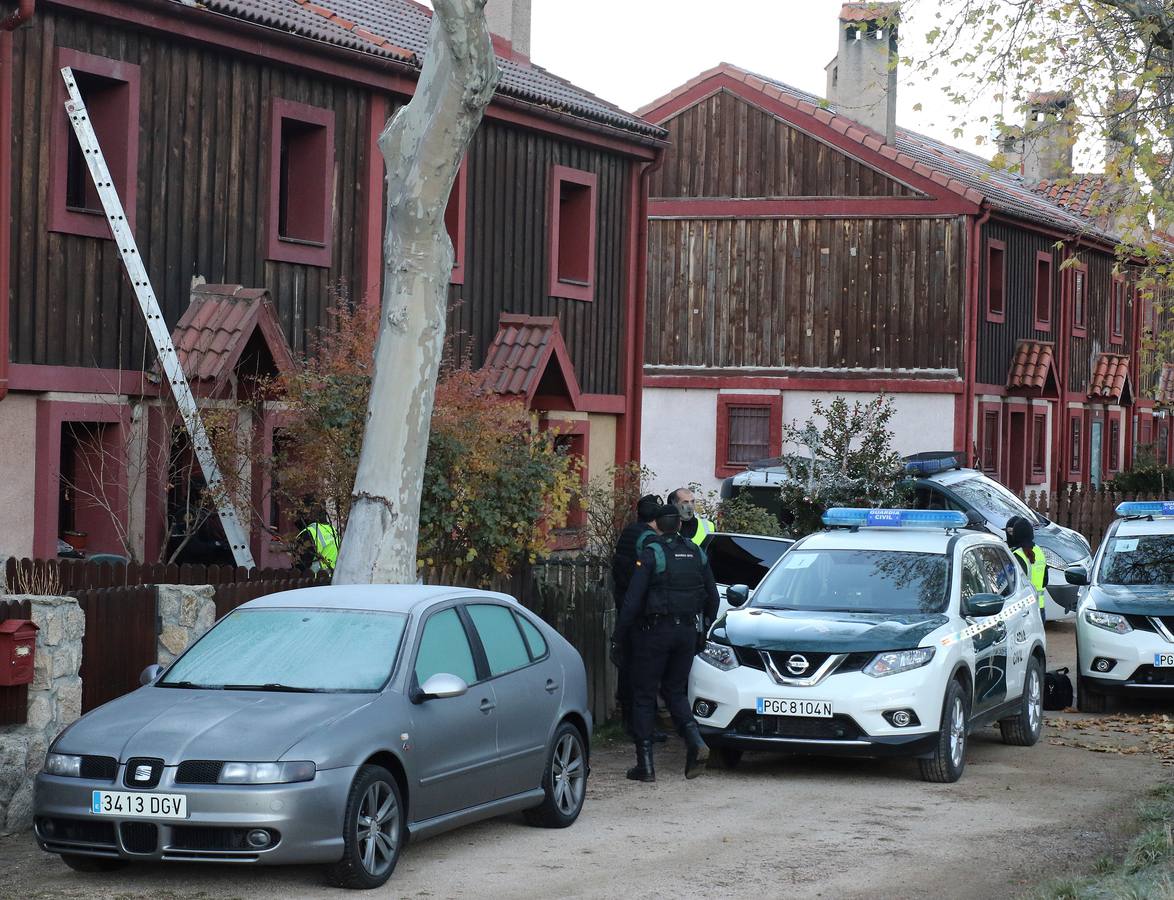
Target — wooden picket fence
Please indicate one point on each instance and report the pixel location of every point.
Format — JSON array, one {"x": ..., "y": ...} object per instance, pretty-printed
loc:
[{"x": 1089, "y": 511}]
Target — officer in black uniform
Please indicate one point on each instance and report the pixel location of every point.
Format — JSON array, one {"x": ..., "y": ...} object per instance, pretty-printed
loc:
[
  {"x": 630, "y": 545},
  {"x": 670, "y": 604}
]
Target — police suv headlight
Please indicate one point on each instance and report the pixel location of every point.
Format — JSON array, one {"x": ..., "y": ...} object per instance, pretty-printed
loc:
[
  {"x": 720, "y": 656},
  {"x": 266, "y": 772},
  {"x": 1053, "y": 559},
  {"x": 60, "y": 764},
  {"x": 898, "y": 661},
  {"x": 1113, "y": 622}
]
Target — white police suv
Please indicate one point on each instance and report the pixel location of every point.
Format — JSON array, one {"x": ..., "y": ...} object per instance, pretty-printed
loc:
[
  {"x": 1125, "y": 618},
  {"x": 892, "y": 632}
]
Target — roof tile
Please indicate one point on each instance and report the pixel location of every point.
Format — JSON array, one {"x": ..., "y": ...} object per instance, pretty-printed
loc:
[
  {"x": 1110, "y": 378},
  {"x": 1033, "y": 363}
]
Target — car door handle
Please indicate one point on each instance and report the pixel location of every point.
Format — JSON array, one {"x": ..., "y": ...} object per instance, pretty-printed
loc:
[
  {"x": 487, "y": 706},
  {"x": 551, "y": 685}
]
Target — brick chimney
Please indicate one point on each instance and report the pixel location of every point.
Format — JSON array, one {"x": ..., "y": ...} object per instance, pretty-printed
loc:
[
  {"x": 1048, "y": 136},
  {"x": 510, "y": 21},
  {"x": 862, "y": 79}
]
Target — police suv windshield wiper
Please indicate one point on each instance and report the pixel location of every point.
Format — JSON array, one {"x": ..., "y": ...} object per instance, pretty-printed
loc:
[
  {"x": 271, "y": 686},
  {"x": 189, "y": 685}
]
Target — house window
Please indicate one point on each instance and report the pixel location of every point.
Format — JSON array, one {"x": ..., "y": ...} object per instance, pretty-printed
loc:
[
  {"x": 749, "y": 428},
  {"x": 1114, "y": 445},
  {"x": 990, "y": 441},
  {"x": 572, "y": 233},
  {"x": 110, "y": 90},
  {"x": 572, "y": 440},
  {"x": 996, "y": 279},
  {"x": 301, "y": 179},
  {"x": 1117, "y": 311},
  {"x": 1043, "y": 291},
  {"x": 1039, "y": 448},
  {"x": 1079, "y": 301},
  {"x": 454, "y": 222},
  {"x": 1076, "y": 444}
]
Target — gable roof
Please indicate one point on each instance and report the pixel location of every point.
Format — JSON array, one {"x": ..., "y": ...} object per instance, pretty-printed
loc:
[
  {"x": 399, "y": 29},
  {"x": 216, "y": 328},
  {"x": 958, "y": 171},
  {"x": 1110, "y": 379},
  {"x": 519, "y": 361},
  {"x": 1034, "y": 369}
]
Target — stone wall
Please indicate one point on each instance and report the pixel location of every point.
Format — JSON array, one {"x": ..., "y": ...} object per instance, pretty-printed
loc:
[
  {"x": 185, "y": 613},
  {"x": 55, "y": 700}
]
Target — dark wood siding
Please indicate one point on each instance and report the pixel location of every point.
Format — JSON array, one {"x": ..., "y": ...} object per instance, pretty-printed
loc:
[
  {"x": 202, "y": 190},
  {"x": 507, "y": 253},
  {"x": 1085, "y": 350},
  {"x": 725, "y": 147},
  {"x": 876, "y": 294}
]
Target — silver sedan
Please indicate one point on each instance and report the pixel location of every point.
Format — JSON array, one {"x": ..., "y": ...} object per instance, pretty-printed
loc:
[{"x": 327, "y": 725}]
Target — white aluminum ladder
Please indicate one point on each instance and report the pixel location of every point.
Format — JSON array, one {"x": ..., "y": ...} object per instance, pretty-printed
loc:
[{"x": 168, "y": 360}]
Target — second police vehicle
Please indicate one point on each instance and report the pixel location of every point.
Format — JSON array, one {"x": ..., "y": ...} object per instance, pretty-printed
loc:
[
  {"x": 1125, "y": 619},
  {"x": 893, "y": 632}
]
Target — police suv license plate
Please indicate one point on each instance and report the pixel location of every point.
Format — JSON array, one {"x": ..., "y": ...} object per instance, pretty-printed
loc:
[
  {"x": 1163, "y": 660},
  {"x": 139, "y": 805},
  {"x": 777, "y": 706}
]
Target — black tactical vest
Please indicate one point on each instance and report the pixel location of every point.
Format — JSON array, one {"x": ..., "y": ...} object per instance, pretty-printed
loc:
[{"x": 678, "y": 582}]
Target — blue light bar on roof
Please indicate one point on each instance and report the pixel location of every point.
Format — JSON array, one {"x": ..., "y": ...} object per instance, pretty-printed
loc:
[
  {"x": 1146, "y": 508},
  {"x": 841, "y": 517},
  {"x": 925, "y": 467}
]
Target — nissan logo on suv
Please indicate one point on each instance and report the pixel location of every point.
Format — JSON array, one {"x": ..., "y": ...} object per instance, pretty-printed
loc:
[{"x": 797, "y": 664}]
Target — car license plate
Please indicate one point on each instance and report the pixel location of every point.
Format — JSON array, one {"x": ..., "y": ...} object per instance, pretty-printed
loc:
[
  {"x": 1163, "y": 660},
  {"x": 137, "y": 804},
  {"x": 777, "y": 706}
]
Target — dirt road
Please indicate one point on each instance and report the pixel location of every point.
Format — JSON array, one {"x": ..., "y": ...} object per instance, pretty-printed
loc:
[{"x": 775, "y": 828}]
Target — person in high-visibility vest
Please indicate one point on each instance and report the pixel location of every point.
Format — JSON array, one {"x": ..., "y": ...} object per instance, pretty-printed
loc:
[
  {"x": 325, "y": 545},
  {"x": 1021, "y": 540},
  {"x": 694, "y": 527}
]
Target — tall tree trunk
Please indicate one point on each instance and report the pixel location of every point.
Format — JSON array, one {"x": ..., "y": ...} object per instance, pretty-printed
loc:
[{"x": 422, "y": 145}]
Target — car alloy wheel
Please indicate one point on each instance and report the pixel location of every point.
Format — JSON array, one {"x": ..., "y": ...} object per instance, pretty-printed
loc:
[
  {"x": 957, "y": 733},
  {"x": 1035, "y": 699},
  {"x": 377, "y": 829},
  {"x": 570, "y": 774}
]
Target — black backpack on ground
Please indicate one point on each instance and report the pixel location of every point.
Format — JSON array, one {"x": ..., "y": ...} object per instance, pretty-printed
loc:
[{"x": 1057, "y": 690}]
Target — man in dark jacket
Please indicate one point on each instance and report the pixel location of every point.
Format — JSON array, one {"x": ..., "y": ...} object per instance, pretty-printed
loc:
[
  {"x": 670, "y": 604},
  {"x": 623, "y": 563}
]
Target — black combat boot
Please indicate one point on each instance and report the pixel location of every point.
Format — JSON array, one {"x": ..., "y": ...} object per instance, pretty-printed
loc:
[
  {"x": 643, "y": 770},
  {"x": 697, "y": 751}
]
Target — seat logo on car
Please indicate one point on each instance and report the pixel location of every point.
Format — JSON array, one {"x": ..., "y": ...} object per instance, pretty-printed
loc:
[
  {"x": 142, "y": 773},
  {"x": 797, "y": 664}
]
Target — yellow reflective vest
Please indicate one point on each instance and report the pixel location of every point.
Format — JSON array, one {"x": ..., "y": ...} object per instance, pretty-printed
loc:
[
  {"x": 325, "y": 544},
  {"x": 1037, "y": 571},
  {"x": 704, "y": 529}
]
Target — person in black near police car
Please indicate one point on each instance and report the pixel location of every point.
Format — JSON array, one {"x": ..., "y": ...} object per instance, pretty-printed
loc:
[
  {"x": 669, "y": 606},
  {"x": 630, "y": 545}
]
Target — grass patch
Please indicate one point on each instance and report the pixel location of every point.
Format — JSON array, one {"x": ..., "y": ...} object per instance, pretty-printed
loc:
[
  {"x": 610, "y": 732},
  {"x": 1146, "y": 872}
]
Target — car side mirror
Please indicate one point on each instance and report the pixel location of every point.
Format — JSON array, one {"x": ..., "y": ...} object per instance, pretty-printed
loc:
[
  {"x": 975, "y": 519},
  {"x": 1077, "y": 575},
  {"x": 984, "y": 605},
  {"x": 150, "y": 675},
  {"x": 442, "y": 686},
  {"x": 737, "y": 594}
]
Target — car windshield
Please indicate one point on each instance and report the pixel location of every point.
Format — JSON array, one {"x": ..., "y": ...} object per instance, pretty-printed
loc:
[
  {"x": 887, "y": 581},
  {"x": 739, "y": 559},
  {"x": 1139, "y": 559},
  {"x": 321, "y": 650},
  {"x": 995, "y": 502}
]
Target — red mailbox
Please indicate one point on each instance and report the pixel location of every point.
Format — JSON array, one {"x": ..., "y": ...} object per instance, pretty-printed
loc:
[{"x": 18, "y": 641}]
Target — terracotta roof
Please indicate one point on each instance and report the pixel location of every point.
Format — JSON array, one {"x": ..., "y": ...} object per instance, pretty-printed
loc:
[
  {"x": 519, "y": 361},
  {"x": 1110, "y": 379},
  {"x": 1081, "y": 193},
  {"x": 399, "y": 29},
  {"x": 217, "y": 326},
  {"x": 867, "y": 12},
  {"x": 1166, "y": 385},
  {"x": 1033, "y": 368}
]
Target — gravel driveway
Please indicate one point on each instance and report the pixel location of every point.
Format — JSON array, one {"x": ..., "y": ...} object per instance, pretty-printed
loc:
[{"x": 775, "y": 827}]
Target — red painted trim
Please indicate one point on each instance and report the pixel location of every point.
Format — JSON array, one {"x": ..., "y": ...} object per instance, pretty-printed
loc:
[
  {"x": 1116, "y": 297},
  {"x": 999, "y": 390},
  {"x": 611, "y": 404},
  {"x": 572, "y": 537},
  {"x": 868, "y": 150},
  {"x": 371, "y": 264},
  {"x": 557, "y": 285},
  {"x": 974, "y": 235},
  {"x": 92, "y": 224},
  {"x": 6, "y": 210},
  {"x": 1034, "y": 475},
  {"x": 1043, "y": 323},
  {"x": 984, "y": 410},
  {"x": 788, "y": 383},
  {"x": 281, "y": 248},
  {"x": 805, "y": 208},
  {"x": 637, "y": 315},
  {"x": 998, "y": 316},
  {"x": 459, "y": 195},
  {"x": 723, "y": 468},
  {"x": 51, "y": 415},
  {"x": 1075, "y": 468},
  {"x": 1079, "y": 328},
  {"x": 1111, "y": 419},
  {"x": 1076, "y": 240},
  {"x": 80, "y": 380}
]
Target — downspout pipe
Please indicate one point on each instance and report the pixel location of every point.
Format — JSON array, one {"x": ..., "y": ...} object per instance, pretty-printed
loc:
[
  {"x": 974, "y": 305},
  {"x": 24, "y": 13},
  {"x": 639, "y": 301}
]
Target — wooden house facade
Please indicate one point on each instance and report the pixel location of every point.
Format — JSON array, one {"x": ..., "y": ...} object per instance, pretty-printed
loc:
[{"x": 242, "y": 138}]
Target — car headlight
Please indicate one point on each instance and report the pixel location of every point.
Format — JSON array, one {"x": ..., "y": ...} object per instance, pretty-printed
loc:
[
  {"x": 1053, "y": 559},
  {"x": 898, "y": 661},
  {"x": 266, "y": 772},
  {"x": 1113, "y": 622},
  {"x": 720, "y": 656},
  {"x": 60, "y": 764}
]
